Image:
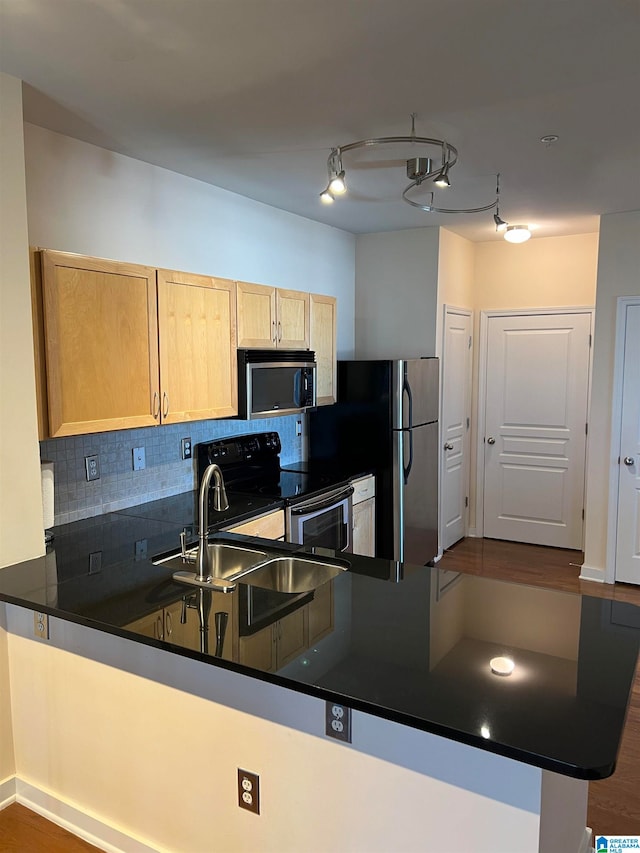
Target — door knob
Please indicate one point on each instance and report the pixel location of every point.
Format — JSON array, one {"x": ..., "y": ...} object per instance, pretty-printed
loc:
[
  {"x": 448, "y": 445},
  {"x": 491, "y": 440},
  {"x": 629, "y": 460}
]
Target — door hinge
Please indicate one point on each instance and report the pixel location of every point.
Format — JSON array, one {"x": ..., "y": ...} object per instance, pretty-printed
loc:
[
  {"x": 470, "y": 341},
  {"x": 590, "y": 340},
  {"x": 583, "y": 514},
  {"x": 586, "y": 429},
  {"x": 466, "y": 501},
  {"x": 467, "y": 423}
]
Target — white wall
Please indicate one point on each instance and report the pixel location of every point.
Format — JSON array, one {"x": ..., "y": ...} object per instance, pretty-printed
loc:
[
  {"x": 618, "y": 275},
  {"x": 396, "y": 293},
  {"x": 21, "y": 530},
  {"x": 85, "y": 199}
]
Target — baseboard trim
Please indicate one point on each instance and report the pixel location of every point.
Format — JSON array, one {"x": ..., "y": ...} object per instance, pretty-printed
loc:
[
  {"x": 91, "y": 829},
  {"x": 7, "y": 792},
  {"x": 473, "y": 533},
  {"x": 587, "y": 841},
  {"x": 589, "y": 573}
]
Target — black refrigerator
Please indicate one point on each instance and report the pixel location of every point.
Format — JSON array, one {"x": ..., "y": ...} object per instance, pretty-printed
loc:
[{"x": 386, "y": 422}]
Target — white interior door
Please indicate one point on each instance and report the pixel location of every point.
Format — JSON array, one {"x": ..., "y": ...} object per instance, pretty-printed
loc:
[
  {"x": 537, "y": 380},
  {"x": 628, "y": 530},
  {"x": 456, "y": 397}
]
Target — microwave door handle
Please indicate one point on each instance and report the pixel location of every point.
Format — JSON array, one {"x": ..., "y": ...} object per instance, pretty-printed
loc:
[{"x": 297, "y": 382}]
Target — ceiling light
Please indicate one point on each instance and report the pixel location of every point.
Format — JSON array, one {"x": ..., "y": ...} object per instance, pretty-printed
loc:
[
  {"x": 420, "y": 167},
  {"x": 502, "y": 666},
  {"x": 517, "y": 234},
  {"x": 326, "y": 197},
  {"x": 337, "y": 185}
]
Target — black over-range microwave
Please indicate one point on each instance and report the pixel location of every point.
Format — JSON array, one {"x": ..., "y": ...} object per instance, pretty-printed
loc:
[{"x": 275, "y": 382}]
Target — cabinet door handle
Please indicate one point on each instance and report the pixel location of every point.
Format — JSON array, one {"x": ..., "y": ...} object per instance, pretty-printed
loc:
[
  {"x": 169, "y": 625},
  {"x": 159, "y": 628},
  {"x": 165, "y": 404},
  {"x": 279, "y": 330},
  {"x": 156, "y": 405},
  {"x": 275, "y": 337}
]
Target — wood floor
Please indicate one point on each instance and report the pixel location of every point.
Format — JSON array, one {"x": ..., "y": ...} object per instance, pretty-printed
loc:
[{"x": 614, "y": 803}]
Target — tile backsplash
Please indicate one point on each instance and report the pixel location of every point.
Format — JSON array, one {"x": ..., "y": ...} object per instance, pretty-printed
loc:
[{"x": 165, "y": 474}]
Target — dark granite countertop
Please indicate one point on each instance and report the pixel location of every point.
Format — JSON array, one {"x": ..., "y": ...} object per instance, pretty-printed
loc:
[{"x": 410, "y": 644}]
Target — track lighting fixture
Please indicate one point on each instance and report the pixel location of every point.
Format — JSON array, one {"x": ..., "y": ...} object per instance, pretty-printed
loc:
[{"x": 419, "y": 168}]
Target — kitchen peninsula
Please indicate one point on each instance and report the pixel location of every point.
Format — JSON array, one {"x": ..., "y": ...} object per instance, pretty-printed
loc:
[{"x": 137, "y": 739}]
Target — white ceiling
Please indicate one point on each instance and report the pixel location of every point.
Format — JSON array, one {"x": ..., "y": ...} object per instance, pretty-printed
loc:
[{"x": 251, "y": 95}]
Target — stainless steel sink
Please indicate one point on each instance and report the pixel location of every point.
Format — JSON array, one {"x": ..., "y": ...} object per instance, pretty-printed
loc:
[
  {"x": 292, "y": 574},
  {"x": 227, "y": 561}
]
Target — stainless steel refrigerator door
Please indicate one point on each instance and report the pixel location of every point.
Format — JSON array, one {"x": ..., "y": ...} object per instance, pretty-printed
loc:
[
  {"x": 415, "y": 485},
  {"x": 415, "y": 392}
]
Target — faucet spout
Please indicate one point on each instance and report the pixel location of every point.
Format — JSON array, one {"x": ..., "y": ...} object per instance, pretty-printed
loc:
[{"x": 220, "y": 503}]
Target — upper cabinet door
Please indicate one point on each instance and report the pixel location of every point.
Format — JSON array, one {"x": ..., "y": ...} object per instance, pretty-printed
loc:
[
  {"x": 197, "y": 339},
  {"x": 257, "y": 326},
  {"x": 323, "y": 343},
  {"x": 293, "y": 321},
  {"x": 100, "y": 328}
]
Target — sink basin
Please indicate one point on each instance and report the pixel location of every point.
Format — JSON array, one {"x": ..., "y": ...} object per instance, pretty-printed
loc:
[
  {"x": 292, "y": 574},
  {"x": 227, "y": 561}
]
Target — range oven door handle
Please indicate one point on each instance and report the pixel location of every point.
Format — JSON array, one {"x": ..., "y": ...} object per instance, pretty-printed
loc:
[{"x": 328, "y": 500}]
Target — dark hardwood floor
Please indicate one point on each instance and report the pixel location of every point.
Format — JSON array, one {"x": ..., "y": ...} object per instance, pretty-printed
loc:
[{"x": 614, "y": 803}]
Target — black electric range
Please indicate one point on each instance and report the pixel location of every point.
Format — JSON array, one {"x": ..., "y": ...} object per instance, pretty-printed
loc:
[{"x": 250, "y": 465}]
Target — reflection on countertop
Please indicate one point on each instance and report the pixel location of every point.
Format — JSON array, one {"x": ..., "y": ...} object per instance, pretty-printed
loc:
[{"x": 411, "y": 644}]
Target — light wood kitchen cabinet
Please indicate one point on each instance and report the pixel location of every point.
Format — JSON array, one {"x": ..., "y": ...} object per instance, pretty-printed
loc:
[
  {"x": 270, "y": 317},
  {"x": 127, "y": 346},
  {"x": 100, "y": 347},
  {"x": 270, "y": 526},
  {"x": 197, "y": 333},
  {"x": 323, "y": 343},
  {"x": 364, "y": 516}
]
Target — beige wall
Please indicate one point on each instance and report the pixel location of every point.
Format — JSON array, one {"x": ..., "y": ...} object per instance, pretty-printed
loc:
[
  {"x": 456, "y": 258},
  {"x": 546, "y": 272},
  {"x": 618, "y": 275},
  {"x": 21, "y": 529}
]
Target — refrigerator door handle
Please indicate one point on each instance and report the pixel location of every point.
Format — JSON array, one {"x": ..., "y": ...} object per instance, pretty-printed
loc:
[
  {"x": 408, "y": 466},
  {"x": 406, "y": 389}
]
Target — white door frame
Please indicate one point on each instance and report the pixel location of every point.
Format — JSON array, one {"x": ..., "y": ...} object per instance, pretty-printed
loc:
[
  {"x": 467, "y": 312},
  {"x": 616, "y": 427},
  {"x": 483, "y": 351}
]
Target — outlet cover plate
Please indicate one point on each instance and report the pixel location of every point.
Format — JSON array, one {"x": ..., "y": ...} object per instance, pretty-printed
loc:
[
  {"x": 92, "y": 467},
  {"x": 249, "y": 791},
  {"x": 41, "y": 625},
  {"x": 338, "y": 721},
  {"x": 186, "y": 448},
  {"x": 139, "y": 461}
]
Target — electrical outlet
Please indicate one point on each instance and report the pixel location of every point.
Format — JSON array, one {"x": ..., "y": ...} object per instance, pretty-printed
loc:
[
  {"x": 139, "y": 462},
  {"x": 95, "y": 562},
  {"x": 140, "y": 550},
  {"x": 249, "y": 791},
  {"x": 185, "y": 447},
  {"x": 338, "y": 721},
  {"x": 92, "y": 467},
  {"x": 41, "y": 625}
]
